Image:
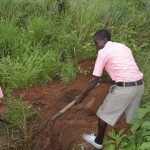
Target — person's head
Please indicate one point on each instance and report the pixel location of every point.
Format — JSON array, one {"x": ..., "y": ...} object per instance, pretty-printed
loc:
[{"x": 101, "y": 37}]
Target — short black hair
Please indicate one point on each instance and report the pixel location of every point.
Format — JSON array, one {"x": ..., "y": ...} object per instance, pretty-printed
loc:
[{"x": 102, "y": 34}]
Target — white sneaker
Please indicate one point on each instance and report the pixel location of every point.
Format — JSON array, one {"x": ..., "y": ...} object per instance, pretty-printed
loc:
[{"x": 91, "y": 139}]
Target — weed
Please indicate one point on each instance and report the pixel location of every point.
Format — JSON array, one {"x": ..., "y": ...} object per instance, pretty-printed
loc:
[
  {"x": 83, "y": 71},
  {"x": 68, "y": 72},
  {"x": 18, "y": 117},
  {"x": 139, "y": 138}
]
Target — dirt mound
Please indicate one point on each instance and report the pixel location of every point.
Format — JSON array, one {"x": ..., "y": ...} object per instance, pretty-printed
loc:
[{"x": 66, "y": 132}]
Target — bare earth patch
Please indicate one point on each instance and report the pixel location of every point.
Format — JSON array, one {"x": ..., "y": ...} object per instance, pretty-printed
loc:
[{"x": 66, "y": 132}]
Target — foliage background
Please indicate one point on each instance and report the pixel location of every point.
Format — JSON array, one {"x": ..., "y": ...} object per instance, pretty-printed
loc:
[{"x": 41, "y": 39}]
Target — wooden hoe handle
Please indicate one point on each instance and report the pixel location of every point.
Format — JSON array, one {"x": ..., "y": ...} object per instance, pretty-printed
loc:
[{"x": 63, "y": 110}]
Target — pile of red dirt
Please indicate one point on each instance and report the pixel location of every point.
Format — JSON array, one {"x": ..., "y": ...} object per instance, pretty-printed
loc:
[{"x": 66, "y": 132}]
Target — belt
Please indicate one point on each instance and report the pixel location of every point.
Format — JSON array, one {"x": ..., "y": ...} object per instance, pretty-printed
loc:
[{"x": 126, "y": 84}]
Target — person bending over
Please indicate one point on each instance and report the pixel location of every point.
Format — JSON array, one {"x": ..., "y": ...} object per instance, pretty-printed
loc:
[{"x": 125, "y": 95}]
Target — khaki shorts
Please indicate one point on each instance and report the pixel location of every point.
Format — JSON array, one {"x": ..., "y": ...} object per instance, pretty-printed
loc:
[{"x": 121, "y": 100}]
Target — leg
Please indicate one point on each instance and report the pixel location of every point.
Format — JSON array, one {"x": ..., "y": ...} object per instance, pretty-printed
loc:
[
  {"x": 131, "y": 109},
  {"x": 101, "y": 131}
]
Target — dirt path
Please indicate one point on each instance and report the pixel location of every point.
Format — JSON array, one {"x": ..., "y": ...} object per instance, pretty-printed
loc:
[{"x": 67, "y": 131}]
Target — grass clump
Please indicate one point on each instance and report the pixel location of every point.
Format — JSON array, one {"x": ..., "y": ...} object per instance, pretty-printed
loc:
[{"x": 20, "y": 118}]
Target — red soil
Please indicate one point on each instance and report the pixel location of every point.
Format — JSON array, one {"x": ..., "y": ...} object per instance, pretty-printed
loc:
[{"x": 68, "y": 129}]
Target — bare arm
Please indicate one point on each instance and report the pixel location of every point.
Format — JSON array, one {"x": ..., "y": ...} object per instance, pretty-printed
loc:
[{"x": 94, "y": 81}]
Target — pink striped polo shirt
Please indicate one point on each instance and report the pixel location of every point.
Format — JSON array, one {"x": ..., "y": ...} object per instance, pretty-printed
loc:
[{"x": 118, "y": 61}]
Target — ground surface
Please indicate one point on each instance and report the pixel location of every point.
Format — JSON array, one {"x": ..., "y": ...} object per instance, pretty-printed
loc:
[{"x": 66, "y": 133}]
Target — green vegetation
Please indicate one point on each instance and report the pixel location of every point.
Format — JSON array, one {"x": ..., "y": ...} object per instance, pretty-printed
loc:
[
  {"x": 39, "y": 39},
  {"x": 18, "y": 129},
  {"x": 138, "y": 139},
  {"x": 42, "y": 39}
]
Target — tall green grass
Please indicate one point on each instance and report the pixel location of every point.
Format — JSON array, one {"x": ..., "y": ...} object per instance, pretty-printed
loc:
[
  {"x": 37, "y": 40},
  {"x": 29, "y": 69}
]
